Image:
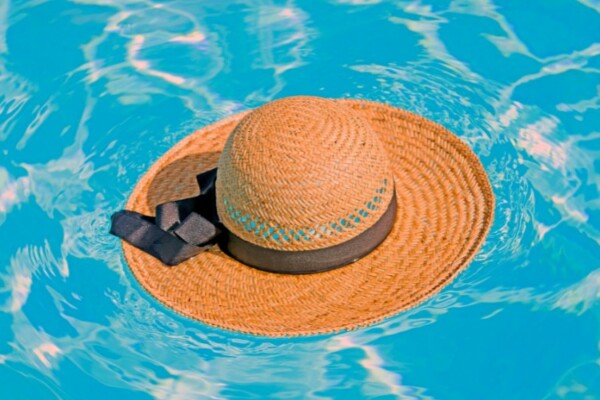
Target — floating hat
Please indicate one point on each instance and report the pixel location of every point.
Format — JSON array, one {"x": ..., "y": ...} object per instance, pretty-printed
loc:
[{"x": 305, "y": 216}]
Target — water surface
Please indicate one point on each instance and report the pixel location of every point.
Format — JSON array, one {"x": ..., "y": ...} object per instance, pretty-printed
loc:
[{"x": 92, "y": 92}]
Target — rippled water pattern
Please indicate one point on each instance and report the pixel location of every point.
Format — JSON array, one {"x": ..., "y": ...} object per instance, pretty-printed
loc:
[{"x": 93, "y": 91}]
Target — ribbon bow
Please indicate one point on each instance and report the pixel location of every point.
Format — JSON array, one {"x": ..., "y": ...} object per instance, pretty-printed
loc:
[{"x": 181, "y": 228}]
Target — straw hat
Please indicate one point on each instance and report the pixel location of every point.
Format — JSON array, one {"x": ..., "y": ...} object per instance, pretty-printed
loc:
[{"x": 322, "y": 215}]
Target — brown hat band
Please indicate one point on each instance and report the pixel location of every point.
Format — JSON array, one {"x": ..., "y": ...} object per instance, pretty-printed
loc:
[
  {"x": 185, "y": 228},
  {"x": 309, "y": 261}
]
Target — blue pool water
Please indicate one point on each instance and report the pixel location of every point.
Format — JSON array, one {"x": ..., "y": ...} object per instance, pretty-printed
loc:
[{"x": 92, "y": 92}]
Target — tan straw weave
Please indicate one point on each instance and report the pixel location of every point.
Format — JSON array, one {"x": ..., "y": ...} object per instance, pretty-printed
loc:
[
  {"x": 301, "y": 174},
  {"x": 346, "y": 149}
]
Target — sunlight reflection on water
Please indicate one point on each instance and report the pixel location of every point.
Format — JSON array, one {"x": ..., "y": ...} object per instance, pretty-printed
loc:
[{"x": 131, "y": 78}]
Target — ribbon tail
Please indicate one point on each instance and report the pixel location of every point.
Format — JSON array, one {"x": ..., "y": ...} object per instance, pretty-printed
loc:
[
  {"x": 140, "y": 232},
  {"x": 207, "y": 201},
  {"x": 206, "y": 181}
]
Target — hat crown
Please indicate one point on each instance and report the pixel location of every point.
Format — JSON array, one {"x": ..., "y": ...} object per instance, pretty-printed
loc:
[{"x": 302, "y": 173}]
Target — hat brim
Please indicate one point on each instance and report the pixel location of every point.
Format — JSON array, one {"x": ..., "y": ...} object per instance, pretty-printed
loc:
[{"x": 445, "y": 210}]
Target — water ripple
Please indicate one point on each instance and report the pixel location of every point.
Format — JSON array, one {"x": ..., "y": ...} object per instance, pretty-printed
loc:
[{"x": 143, "y": 74}]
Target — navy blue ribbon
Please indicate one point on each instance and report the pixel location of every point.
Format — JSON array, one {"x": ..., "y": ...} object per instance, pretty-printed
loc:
[{"x": 180, "y": 230}]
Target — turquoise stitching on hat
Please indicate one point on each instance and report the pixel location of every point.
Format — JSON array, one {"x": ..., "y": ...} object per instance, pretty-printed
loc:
[{"x": 266, "y": 231}]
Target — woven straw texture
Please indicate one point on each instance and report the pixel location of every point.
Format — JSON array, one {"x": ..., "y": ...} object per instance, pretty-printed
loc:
[
  {"x": 302, "y": 173},
  {"x": 445, "y": 210}
]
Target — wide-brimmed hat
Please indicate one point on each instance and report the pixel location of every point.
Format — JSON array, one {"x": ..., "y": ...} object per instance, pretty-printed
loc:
[{"x": 306, "y": 215}]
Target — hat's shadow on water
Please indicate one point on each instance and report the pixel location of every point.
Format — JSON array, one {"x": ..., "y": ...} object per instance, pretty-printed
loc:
[{"x": 179, "y": 177}]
